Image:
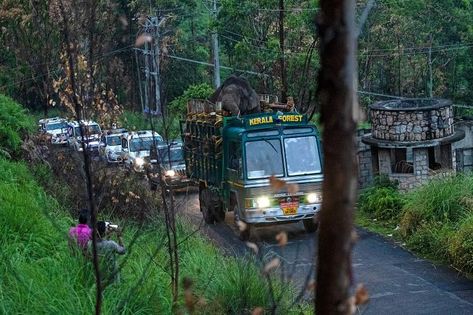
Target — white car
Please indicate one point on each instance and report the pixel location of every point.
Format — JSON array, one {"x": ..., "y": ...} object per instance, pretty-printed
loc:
[
  {"x": 111, "y": 145},
  {"x": 56, "y": 128},
  {"x": 91, "y": 137},
  {"x": 136, "y": 147}
]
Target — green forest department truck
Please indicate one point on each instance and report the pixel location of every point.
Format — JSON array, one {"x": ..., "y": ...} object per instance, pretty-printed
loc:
[{"x": 234, "y": 159}]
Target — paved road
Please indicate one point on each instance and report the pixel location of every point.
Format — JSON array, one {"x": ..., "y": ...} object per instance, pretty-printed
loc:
[{"x": 397, "y": 281}]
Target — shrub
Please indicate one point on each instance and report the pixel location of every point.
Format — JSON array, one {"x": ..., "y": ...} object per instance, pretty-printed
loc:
[
  {"x": 178, "y": 106},
  {"x": 460, "y": 248},
  {"x": 14, "y": 123},
  {"x": 381, "y": 201},
  {"x": 431, "y": 240},
  {"x": 444, "y": 201}
]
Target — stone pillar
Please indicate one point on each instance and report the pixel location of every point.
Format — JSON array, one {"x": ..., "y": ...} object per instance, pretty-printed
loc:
[{"x": 384, "y": 160}]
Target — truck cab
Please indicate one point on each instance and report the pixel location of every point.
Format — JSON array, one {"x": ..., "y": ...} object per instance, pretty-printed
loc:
[
  {"x": 137, "y": 146},
  {"x": 91, "y": 136},
  {"x": 236, "y": 160},
  {"x": 263, "y": 148}
]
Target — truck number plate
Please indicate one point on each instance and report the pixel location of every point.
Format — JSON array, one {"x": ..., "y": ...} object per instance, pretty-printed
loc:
[{"x": 289, "y": 208}]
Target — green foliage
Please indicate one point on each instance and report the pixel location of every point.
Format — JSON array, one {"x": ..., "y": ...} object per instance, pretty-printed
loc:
[
  {"x": 169, "y": 128},
  {"x": 134, "y": 121},
  {"x": 14, "y": 123},
  {"x": 445, "y": 200},
  {"x": 431, "y": 240},
  {"x": 40, "y": 274},
  {"x": 436, "y": 219},
  {"x": 198, "y": 91},
  {"x": 381, "y": 201},
  {"x": 460, "y": 247}
]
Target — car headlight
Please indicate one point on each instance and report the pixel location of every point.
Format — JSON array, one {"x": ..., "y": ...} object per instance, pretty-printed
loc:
[
  {"x": 170, "y": 173},
  {"x": 139, "y": 162},
  {"x": 313, "y": 198},
  {"x": 263, "y": 202}
]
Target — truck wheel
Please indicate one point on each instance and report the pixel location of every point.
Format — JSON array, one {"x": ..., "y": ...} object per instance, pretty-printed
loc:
[
  {"x": 310, "y": 225},
  {"x": 205, "y": 200}
]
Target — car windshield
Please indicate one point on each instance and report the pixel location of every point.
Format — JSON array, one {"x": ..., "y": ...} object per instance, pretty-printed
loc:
[
  {"x": 89, "y": 130},
  {"x": 263, "y": 159},
  {"x": 55, "y": 126},
  {"x": 174, "y": 154},
  {"x": 302, "y": 156},
  {"x": 113, "y": 140},
  {"x": 141, "y": 144}
]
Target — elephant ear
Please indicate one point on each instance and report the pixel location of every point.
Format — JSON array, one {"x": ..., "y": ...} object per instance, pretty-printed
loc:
[{"x": 214, "y": 98}]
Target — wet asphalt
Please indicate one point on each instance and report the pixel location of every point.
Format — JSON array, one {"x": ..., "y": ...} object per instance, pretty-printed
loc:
[{"x": 397, "y": 281}]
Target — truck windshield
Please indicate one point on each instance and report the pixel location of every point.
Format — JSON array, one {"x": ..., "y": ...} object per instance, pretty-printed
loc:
[
  {"x": 56, "y": 126},
  {"x": 141, "y": 144},
  {"x": 264, "y": 158},
  {"x": 302, "y": 156},
  {"x": 174, "y": 154}
]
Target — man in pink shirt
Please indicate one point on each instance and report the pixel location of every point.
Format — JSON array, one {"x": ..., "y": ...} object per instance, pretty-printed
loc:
[{"x": 81, "y": 233}]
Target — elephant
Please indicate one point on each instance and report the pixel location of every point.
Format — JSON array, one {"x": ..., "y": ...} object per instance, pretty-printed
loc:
[{"x": 237, "y": 96}]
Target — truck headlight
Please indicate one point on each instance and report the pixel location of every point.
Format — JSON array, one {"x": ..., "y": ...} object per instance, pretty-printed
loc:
[
  {"x": 170, "y": 173},
  {"x": 139, "y": 162},
  {"x": 263, "y": 202},
  {"x": 313, "y": 198}
]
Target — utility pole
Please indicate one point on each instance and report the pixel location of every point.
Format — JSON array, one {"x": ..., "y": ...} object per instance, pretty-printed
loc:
[
  {"x": 430, "y": 71},
  {"x": 151, "y": 59},
  {"x": 156, "y": 54},
  {"x": 282, "y": 62},
  {"x": 216, "y": 59},
  {"x": 139, "y": 80}
]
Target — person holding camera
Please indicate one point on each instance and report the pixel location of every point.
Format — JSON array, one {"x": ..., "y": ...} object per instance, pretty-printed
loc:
[{"x": 108, "y": 249}]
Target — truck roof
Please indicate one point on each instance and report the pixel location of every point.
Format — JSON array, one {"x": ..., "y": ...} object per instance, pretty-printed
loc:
[{"x": 266, "y": 120}]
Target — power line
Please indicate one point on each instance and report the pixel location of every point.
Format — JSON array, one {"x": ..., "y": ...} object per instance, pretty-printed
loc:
[
  {"x": 256, "y": 39},
  {"x": 212, "y": 65},
  {"x": 294, "y": 9},
  {"x": 276, "y": 50},
  {"x": 425, "y": 47}
]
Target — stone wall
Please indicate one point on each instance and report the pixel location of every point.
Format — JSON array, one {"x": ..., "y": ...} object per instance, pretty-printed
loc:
[
  {"x": 365, "y": 164},
  {"x": 408, "y": 181},
  {"x": 412, "y": 125}
]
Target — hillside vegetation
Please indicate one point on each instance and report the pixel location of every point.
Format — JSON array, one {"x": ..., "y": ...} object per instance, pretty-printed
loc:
[
  {"x": 41, "y": 274},
  {"x": 435, "y": 220}
]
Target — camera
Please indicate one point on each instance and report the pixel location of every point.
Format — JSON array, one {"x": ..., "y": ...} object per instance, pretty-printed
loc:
[{"x": 111, "y": 227}]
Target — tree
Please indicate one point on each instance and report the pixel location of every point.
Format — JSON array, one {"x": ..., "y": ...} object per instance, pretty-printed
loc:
[{"x": 337, "y": 95}]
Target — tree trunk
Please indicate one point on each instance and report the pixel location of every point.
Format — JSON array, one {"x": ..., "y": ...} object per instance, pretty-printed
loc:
[{"x": 337, "y": 95}]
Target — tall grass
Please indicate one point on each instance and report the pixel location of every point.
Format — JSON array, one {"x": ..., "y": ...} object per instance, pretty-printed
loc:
[
  {"x": 40, "y": 274},
  {"x": 443, "y": 201},
  {"x": 436, "y": 220},
  {"x": 14, "y": 123}
]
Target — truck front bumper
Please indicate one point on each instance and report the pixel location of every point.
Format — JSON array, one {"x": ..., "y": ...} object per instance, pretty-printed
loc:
[{"x": 276, "y": 214}]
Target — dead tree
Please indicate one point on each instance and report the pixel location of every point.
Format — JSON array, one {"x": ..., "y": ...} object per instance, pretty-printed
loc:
[{"x": 336, "y": 93}]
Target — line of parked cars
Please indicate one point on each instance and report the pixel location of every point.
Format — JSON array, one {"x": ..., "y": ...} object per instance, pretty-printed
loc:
[{"x": 140, "y": 150}]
